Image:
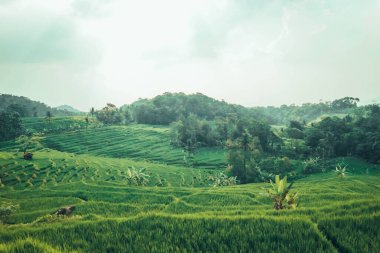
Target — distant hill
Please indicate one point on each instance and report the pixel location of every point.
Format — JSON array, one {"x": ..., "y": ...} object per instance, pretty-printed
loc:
[
  {"x": 68, "y": 108},
  {"x": 169, "y": 107},
  {"x": 30, "y": 108}
]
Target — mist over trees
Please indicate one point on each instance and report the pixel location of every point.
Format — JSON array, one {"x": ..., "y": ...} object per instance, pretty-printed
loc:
[{"x": 26, "y": 107}]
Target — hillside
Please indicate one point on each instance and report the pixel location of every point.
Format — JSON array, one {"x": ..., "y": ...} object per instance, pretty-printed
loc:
[
  {"x": 180, "y": 217},
  {"x": 67, "y": 108},
  {"x": 29, "y": 108},
  {"x": 172, "y": 207}
]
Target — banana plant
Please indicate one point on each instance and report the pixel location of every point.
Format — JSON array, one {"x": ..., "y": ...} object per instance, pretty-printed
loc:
[
  {"x": 340, "y": 171},
  {"x": 137, "y": 176},
  {"x": 280, "y": 194},
  {"x": 222, "y": 179}
]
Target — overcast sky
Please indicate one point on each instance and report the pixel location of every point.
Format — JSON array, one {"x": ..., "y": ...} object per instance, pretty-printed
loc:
[{"x": 251, "y": 52}]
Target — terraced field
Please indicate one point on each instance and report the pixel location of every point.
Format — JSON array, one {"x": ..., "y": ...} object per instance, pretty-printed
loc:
[
  {"x": 137, "y": 142},
  {"x": 112, "y": 216},
  {"x": 179, "y": 210}
]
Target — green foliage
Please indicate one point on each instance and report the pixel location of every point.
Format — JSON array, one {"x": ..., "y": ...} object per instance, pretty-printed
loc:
[
  {"x": 169, "y": 107},
  {"x": 32, "y": 142},
  {"x": 280, "y": 194},
  {"x": 340, "y": 171},
  {"x": 312, "y": 165},
  {"x": 294, "y": 133},
  {"x": 50, "y": 218},
  {"x": 28, "y": 245},
  {"x": 276, "y": 165},
  {"x": 296, "y": 124},
  {"x": 244, "y": 149},
  {"x": 10, "y": 125},
  {"x": 6, "y": 209},
  {"x": 358, "y": 135},
  {"x": 344, "y": 103},
  {"x": 29, "y": 108},
  {"x": 111, "y": 213},
  {"x": 131, "y": 141},
  {"x": 137, "y": 176},
  {"x": 109, "y": 115},
  {"x": 221, "y": 179}
]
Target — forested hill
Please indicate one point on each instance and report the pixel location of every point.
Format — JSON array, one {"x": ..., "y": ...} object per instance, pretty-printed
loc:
[
  {"x": 167, "y": 108},
  {"x": 306, "y": 112},
  {"x": 29, "y": 108}
]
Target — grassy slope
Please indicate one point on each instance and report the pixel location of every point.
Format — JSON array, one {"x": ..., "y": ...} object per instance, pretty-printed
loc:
[
  {"x": 138, "y": 142},
  {"x": 112, "y": 216}
]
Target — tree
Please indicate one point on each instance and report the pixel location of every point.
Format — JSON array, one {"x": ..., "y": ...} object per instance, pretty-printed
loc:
[
  {"x": 10, "y": 125},
  {"x": 109, "y": 114},
  {"x": 20, "y": 109},
  {"x": 184, "y": 134},
  {"x": 344, "y": 103},
  {"x": 49, "y": 115},
  {"x": 296, "y": 124},
  {"x": 243, "y": 153}
]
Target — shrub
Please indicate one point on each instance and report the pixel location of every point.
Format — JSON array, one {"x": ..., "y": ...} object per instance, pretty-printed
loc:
[
  {"x": 222, "y": 179},
  {"x": 6, "y": 209},
  {"x": 340, "y": 171},
  {"x": 312, "y": 165},
  {"x": 137, "y": 176},
  {"x": 294, "y": 133},
  {"x": 276, "y": 165}
]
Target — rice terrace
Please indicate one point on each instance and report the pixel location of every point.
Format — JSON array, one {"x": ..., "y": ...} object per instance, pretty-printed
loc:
[{"x": 189, "y": 126}]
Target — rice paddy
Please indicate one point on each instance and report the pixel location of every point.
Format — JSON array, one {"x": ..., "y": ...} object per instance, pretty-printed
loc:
[{"x": 178, "y": 210}]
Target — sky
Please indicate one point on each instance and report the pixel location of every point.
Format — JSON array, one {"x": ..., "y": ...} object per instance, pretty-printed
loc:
[{"x": 86, "y": 53}]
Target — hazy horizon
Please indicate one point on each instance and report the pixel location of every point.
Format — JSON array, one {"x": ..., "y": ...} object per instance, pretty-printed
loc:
[{"x": 86, "y": 53}]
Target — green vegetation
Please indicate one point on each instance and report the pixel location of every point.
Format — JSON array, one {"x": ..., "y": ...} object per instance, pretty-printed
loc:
[
  {"x": 187, "y": 187},
  {"x": 280, "y": 194},
  {"x": 29, "y": 108}
]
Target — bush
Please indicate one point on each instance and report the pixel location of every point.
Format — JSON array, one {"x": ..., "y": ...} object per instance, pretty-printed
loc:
[
  {"x": 312, "y": 165},
  {"x": 276, "y": 165},
  {"x": 294, "y": 133},
  {"x": 6, "y": 209}
]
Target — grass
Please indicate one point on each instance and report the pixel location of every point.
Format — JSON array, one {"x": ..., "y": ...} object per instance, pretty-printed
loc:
[
  {"x": 137, "y": 142},
  {"x": 186, "y": 215}
]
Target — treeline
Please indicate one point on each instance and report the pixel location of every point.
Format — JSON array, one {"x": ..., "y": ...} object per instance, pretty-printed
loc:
[
  {"x": 29, "y": 108},
  {"x": 255, "y": 150},
  {"x": 357, "y": 135},
  {"x": 305, "y": 112},
  {"x": 169, "y": 107},
  {"x": 246, "y": 140}
]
